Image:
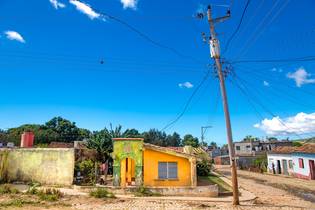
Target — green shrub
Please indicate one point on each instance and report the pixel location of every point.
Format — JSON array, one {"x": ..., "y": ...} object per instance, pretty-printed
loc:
[
  {"x": 204, "y": 167},
  {"x": 101, "y": 193},
  {"x": 261, "y": 163},
  {"x": 87, "y": 169},
  {"x": 16, "y": 203},
  {"x": 49, "y": 194},
  {"x": 33, "y": 188},
  {"x": 7, "y": 189}
]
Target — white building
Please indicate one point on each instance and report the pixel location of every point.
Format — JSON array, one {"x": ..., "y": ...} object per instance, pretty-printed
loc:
[{"x": 295, "y": 161}]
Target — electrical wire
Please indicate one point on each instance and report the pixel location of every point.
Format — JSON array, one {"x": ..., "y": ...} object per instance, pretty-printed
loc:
[
  {"x": 257, "y": 101},
  {"x": 146, "y": 37},
  {"x": 188, "y": 102},
  {"x": 258, "y": 27},
  {"x": 305, "y": 58},
  {"x": 255, "y": 38},
  {"x": 237, "y": 28}
]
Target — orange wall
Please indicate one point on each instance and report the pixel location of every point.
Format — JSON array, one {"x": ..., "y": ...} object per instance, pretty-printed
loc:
[{"x": 150, "y": 169}]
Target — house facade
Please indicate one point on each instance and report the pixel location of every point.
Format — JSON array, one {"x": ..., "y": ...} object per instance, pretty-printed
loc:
[
  {"x": 294, "y": 161},
  {"x": 137, "y": 163}
]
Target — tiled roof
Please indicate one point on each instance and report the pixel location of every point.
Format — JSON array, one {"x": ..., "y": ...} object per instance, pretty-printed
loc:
[
  {"x": 306, "y": 148},
  {"x": 167, "y": 150},
  {"x": 177, "y": 149}
]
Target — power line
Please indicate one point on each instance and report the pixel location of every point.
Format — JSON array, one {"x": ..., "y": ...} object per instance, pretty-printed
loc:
[
  {"x": 305, "y": 58},
  {"x": 257, "y": 101},
  {"x": 254, "y": 38},
  {"x": 258, "y": 26},
  {"x": 146, "y": 37},
  {"x": 188, "y": 102},
  {"x": 237, "y": 28}
]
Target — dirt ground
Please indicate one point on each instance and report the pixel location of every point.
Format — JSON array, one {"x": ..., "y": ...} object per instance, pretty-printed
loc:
[
  {"x": 269, "y": 196},
  {"x": 276, "y": 190}
]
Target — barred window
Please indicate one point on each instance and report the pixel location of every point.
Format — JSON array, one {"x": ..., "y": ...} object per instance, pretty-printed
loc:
[{"x": 167, "y": 170}]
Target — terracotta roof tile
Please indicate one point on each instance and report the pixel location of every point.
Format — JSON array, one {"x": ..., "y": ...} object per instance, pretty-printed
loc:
[{"x": 306, "y": 148}]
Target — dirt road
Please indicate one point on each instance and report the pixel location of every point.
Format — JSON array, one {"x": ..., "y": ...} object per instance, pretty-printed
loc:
[{"x": 276, "y": 190}]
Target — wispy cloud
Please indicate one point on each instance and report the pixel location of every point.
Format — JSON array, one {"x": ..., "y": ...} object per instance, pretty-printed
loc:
[
  {"x": 265, "y": 83},
  {"x": 132, "y": 4},
  {"x": 13, "y": 35},
  {"x": 301, "y": 123},
  {"x": 186, "y": 85},
  {"x": 86, "y": 9},
  {"x": 301, "y": 77},
  {"x": 279, "y": 70},
  {"x": 57, "y": 4}
]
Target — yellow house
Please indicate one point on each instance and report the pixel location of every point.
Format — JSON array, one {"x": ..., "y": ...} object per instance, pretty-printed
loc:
[{"x": 137, "y": 163}]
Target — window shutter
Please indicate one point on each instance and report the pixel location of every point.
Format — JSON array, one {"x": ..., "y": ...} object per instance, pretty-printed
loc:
[
  {"x": 172, "y": 170},
  {"x": 162, "y": 170}
]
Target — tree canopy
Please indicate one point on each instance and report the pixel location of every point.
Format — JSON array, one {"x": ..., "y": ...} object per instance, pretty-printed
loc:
[{"x": 190, "y": 140}]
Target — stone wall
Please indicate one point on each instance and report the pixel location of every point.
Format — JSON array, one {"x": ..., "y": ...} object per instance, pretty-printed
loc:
[{"x": 53, "y": 166}]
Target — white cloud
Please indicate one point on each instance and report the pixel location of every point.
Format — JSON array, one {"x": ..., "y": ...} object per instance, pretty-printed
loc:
[
  {"x": 301, "y": 77},
  {"x": 13, "y": 35},
  {"x": 86, "y": 9},
  {"x": 279, "y": 70},
  {"x": 186, "y": 85},
  {"x": 132, "y": 4},
  {"x": 57, "y": 4},
  {"x": 266, "y": 83},
  {"x": 301, "y": 123}
]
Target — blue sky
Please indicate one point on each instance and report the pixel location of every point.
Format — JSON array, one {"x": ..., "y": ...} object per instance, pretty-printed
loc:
[{"x": 51, "y": 66}]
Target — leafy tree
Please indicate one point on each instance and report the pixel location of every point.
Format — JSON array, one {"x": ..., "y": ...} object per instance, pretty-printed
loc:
[
  {"x": 3, "y": 136},
  {"x": 296, "y": 144},
  {"x": 66, "y": 129},
  {"x": 154, "y": 136},
  {"x": 213, "y": 144},
  {"x": 272, "y": 139},
  {"x": 102, "y": 142},
  {"x": 190, "y": 140},
  {"x": 173, "y": 140},
  {"x": 249, "y": 138}
]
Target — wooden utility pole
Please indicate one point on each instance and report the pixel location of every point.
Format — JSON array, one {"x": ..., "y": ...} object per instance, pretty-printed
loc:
[
  {"x": 203, "y": 130},
  {"x": 215, "y": 54}
]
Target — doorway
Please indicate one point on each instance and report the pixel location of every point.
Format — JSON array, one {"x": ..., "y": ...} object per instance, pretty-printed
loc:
[
  {"x": 127, "y": 171},
  {"x": 285, "y": 167},
  {"x": 278, "y": 167},
  {"x": 312, "y": 169}
]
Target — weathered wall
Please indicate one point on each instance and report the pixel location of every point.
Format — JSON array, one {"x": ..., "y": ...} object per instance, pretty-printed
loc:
[
  {"x": 150, "y": 169},
  {"x": 273, "y": 159},
  {"x": 302, "y": 172},
  {"x": 127, "y": 148},
  {"x": 43, "y": 165}
]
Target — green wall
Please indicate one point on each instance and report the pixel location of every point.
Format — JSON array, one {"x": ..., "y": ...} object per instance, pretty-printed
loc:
[
  {"x": 131, "y": 148},
  {"x": 44, "y": 165}
]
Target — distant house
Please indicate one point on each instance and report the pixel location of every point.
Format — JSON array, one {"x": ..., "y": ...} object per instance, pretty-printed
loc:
[
  {"x": 294, "y": 161},
  {"x": 258, "y": 147},
  {"x": 222, "y": 160}
]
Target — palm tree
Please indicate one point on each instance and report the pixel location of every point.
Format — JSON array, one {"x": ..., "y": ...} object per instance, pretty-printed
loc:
[{"x": 101, "y": 141}]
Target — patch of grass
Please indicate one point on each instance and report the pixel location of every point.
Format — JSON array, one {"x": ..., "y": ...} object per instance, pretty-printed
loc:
[
  {"x": 145, "y": 192},
  {"x": 17, "y": 203},
  {"x": 8, "y": 189},
  {"x": 49, "y": 194},
  {"x": 33, "y": 189},
  {"x": 213, "y": 179},
  {"x": 101, "y": 193}
]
